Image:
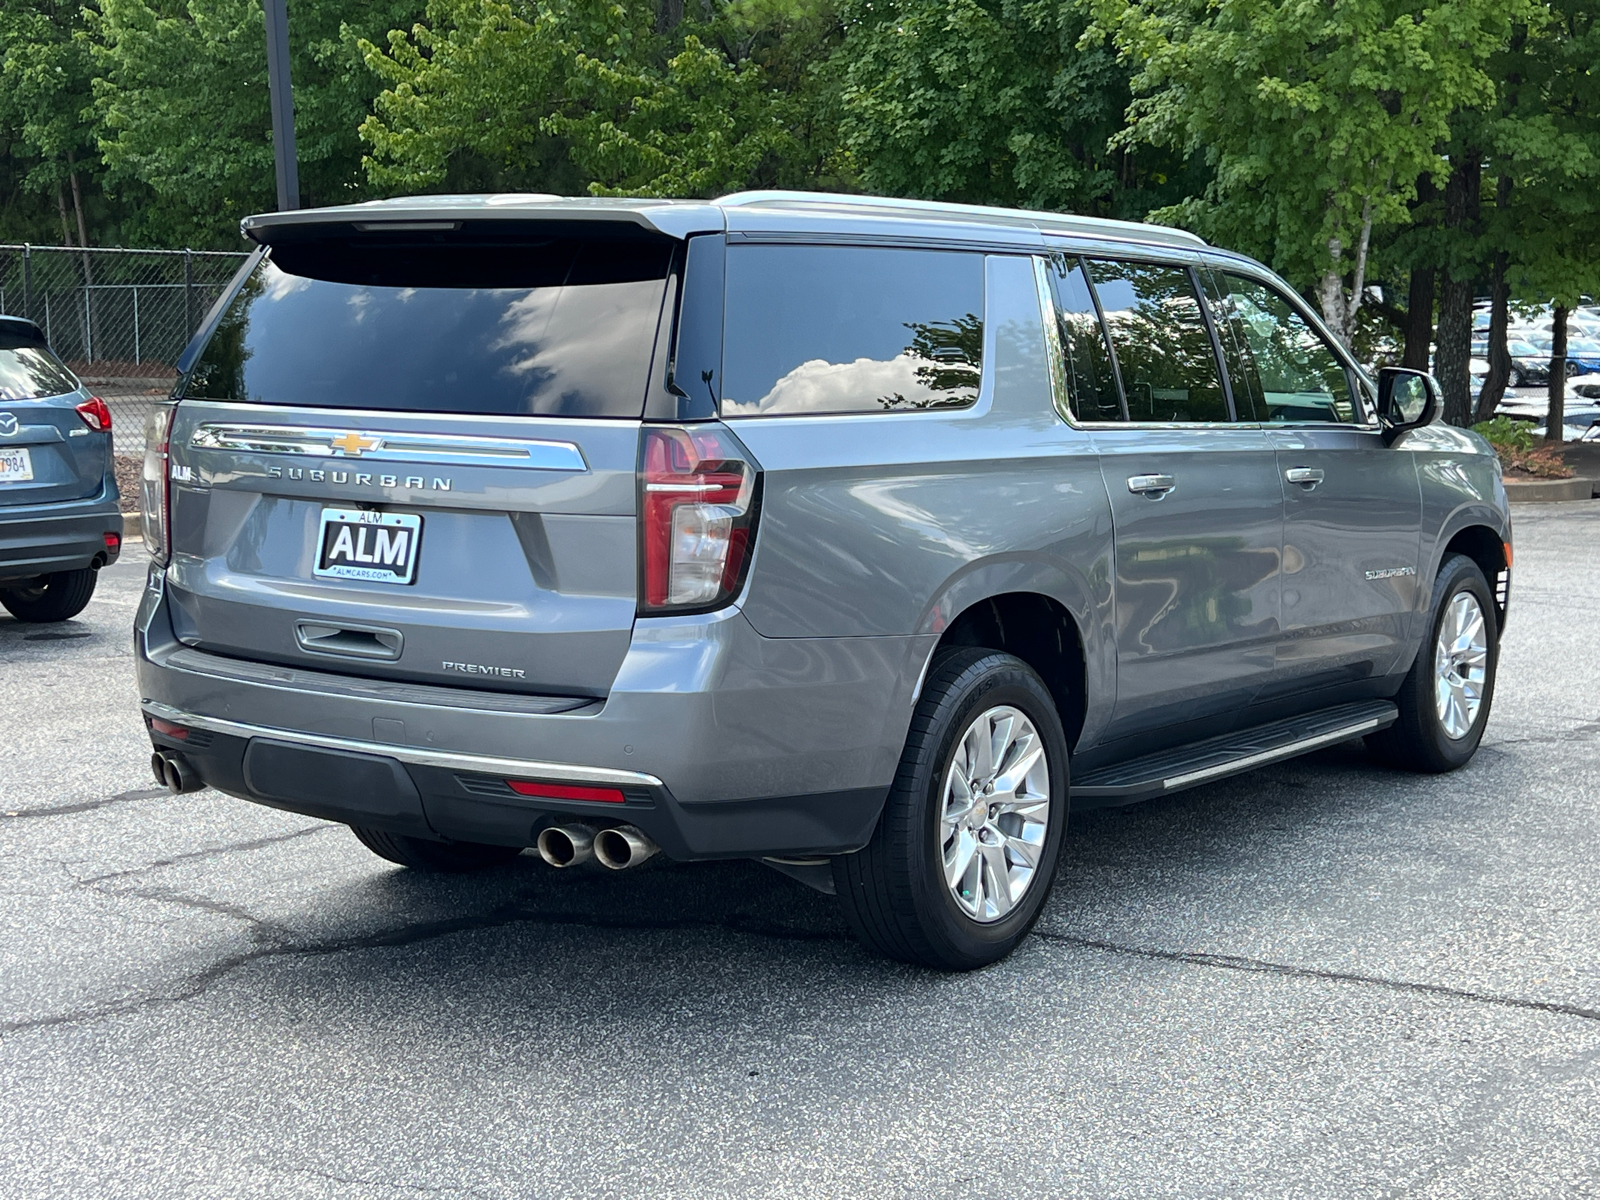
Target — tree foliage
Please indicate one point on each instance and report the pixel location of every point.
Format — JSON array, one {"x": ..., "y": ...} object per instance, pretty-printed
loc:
[
  {"x": 624, "y": 98},
  {"x": 996, "y": 103},
  {"x": 1318, "y": 119}
]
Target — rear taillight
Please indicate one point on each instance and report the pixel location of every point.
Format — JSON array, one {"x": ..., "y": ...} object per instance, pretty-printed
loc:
[
  {"x": 697, "y": 509},
  {"x": 95, "y": 414},
  {"x": 154, "y": 486}
]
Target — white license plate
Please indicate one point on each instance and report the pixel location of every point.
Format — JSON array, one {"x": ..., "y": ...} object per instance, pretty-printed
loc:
[
  {"x": 16, "y": 465},
  {"x": 376, "y": 546}
]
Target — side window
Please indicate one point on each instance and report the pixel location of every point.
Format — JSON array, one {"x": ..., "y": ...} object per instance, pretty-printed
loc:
[
  {"x": 1091, "y": 386},
  {"x": 1162, "y": 342},
  {"x": 841, "y": 329},
  {"x": 1289, "y": 371}
]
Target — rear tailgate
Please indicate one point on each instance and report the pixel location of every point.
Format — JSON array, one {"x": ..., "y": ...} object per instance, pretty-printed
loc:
[
  {"x": 411, "y": 455},
  {"x": 523, "y": 571}
]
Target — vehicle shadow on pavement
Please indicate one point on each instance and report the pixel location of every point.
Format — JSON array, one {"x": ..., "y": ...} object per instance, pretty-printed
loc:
[{"x": 531, "y": 936}]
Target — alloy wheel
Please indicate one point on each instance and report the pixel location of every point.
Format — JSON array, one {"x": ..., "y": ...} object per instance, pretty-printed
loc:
[
  {"x": 1461, "y": 665},
  {"x": 995, "y": 813}
]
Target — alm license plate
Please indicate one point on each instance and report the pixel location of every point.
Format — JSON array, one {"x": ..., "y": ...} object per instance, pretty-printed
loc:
[
  {"x": 16, "y": 465},
  {"x": 376, "y": 546}
]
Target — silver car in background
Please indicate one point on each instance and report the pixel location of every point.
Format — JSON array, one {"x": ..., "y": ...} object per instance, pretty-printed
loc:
[{"x": 862, "y": 537}]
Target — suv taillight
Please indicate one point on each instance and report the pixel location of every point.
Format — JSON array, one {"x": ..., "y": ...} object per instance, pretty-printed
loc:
[
  {"x": 154, "y": 486},
  {"x": 697, "y": 510},
  {"x": 96, "y": 415}
]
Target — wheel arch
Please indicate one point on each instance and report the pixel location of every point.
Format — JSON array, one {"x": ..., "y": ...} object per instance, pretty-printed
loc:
[
  {"x": 1484, "y": 537},
  {"x": 1027, "y": 609}
]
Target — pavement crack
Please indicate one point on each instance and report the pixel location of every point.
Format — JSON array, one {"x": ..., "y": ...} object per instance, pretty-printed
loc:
[
  {"x": 281, "y": 945},
  {"x": 1233, "y": 962},
  {"x": 61, "y": 810},
  {"x": 207, "y": 852}
]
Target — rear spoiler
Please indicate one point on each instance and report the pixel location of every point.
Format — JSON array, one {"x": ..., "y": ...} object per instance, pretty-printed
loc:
[
  {"x": 466, "y": 215},
  {"x": 22, "y": 329}
]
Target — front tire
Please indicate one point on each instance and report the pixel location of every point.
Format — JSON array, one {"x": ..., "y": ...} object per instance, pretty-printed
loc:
[
  {"x": 52, "y": 598},
  {"x": 420, "y": 854},
  {"x": 964, "y": 854},
  {"x": 1445, "y": 699}
]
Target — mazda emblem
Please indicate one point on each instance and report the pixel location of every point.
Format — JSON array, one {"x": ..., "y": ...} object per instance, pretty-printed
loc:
[{"x": 8, "y": 424}]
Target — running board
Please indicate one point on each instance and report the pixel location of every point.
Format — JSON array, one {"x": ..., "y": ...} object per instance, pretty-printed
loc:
[{"x": 1218, "y": 757}]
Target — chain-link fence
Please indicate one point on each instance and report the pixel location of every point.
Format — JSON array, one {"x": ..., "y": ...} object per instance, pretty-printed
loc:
[{"x": 120, "y": 318}]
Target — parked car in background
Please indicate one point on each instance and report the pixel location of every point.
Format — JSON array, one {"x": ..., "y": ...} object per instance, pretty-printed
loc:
[
  {"x": 59, "y": 517},
  {"x": 858, "y": 536}
]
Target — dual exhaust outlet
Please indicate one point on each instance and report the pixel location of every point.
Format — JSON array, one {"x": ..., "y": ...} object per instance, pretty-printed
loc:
[
  {"x": 615, "y": 847},
  {"x": 173, "y": 772}
]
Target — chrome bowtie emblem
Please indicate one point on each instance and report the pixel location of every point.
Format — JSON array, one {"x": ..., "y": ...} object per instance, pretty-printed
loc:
[
  {"x": 8, "y": 424},
  {"x": 352, "y": 445}
]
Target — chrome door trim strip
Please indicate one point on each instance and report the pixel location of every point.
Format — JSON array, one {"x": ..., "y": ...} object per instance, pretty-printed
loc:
[
  {"x": 390, "y": 446},
  {"x": 446, "y": 759}
]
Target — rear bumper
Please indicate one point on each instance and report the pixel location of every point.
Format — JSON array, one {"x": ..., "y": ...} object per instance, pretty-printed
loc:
[
  {"x": 45, "y": 538},
  {"x": 722, "y": 743}
]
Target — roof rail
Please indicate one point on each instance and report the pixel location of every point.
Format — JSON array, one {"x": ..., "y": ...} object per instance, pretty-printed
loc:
[{"x": 1045, "y": 222}]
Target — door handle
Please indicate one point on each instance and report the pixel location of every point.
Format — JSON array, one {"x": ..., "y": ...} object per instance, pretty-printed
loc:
[
  {"x": 1306, "y": 477},
  {"x": 1154, "y": 486}
]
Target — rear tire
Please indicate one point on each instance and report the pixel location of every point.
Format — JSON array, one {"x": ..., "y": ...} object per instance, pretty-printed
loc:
[
  {"x": 1437, "y": 731},
  {"x": 58, "y": 597},
  {"x": 420, "y": 854},
  {"x": 895, "y": 893}
]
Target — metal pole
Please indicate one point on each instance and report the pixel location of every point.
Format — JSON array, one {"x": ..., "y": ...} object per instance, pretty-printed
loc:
[
  {"x": 88, "y": 334},
  {"x": 282, "y": 100},
  {"x": 136, "y": 322},
  {"x": 188, "y": 294},
  {"x": 27, "y": 281}
]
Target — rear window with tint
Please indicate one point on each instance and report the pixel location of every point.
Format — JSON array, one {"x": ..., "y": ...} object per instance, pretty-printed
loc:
[
  {"x": 556, "y": 326},
  {"x": 841, "y": 329},
  {"x": 29, "y": 371}
]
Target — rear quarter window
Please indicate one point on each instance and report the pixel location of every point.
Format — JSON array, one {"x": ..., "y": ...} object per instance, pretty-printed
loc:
[
  {"x": 847, "y": 329},
  {"x": 553, "y": 326}
]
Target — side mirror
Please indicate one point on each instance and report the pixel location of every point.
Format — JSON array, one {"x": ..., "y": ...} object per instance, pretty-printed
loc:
[{"x": 1406, "y": 400}]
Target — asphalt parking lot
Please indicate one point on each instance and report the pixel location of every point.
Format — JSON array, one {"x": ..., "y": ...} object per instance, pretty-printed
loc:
[{"x": 1322, "y": 979}]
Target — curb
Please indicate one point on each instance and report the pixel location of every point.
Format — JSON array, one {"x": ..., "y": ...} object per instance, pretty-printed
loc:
[
  {"x": 1545, "y": 490},
  {"x": 132, "y": 526}
]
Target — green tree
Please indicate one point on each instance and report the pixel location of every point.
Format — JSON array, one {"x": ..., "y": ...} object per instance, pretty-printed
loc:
[
  {"x": 995, "y": 102},
  {"x": 181, "y": 97},
  {"x": 1318, "y": 119},
  {"x": 45, "y": 72},
  {"x": 633, "y": 98}
]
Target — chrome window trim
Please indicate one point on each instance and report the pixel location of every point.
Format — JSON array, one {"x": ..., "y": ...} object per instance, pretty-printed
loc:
[
  {"x": 448, "y": 760},
  {"x": 1059, "y": 391}
]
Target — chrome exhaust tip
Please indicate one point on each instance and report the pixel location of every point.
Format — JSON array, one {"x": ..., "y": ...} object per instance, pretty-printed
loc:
[
  {"x": 566, "y": 845},
  {"x": 623, "y": 847},
  {"x": 173, "y": 772}
]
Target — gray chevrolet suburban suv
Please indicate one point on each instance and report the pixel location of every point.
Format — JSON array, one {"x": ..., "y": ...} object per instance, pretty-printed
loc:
[{"x": 862, "y": 537}]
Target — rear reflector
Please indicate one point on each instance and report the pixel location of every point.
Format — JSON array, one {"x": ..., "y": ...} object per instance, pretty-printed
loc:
[
  {"x": 168, "y": 729},
  {"x": 561, "y": 791},
  {"x": 113, "y": 540}
]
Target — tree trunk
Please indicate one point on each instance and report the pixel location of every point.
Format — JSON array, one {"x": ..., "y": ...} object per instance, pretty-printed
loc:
[
  {"x": 669, "y": 15},
  {"x": 77, "y": 203},
  {"x": 1419, "y": 318},
  {"x": 61, "y": 207},
  {"x": 1555, "y": 419},
  {"x": 1455, "y": 296},
  {"x": 1494, "y": 386}
]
